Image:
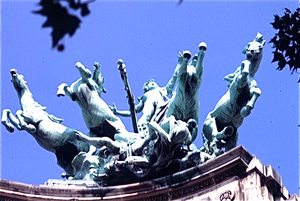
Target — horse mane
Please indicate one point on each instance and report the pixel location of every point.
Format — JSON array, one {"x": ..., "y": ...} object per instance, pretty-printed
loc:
[
  {"x": 39, "y": 106},
  {"x": 230, "y": 77},
  {"x": 50, "y": 116},
  {"x": 54, "y": 119}
]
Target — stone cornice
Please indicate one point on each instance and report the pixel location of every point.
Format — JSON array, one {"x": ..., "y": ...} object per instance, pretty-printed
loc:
[{"x": 231, "y": 166}]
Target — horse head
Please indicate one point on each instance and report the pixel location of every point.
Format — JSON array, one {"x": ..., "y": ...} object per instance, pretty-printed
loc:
[
  {"x": 19, "y": 82},
  {"x": 254, "y": 52}
]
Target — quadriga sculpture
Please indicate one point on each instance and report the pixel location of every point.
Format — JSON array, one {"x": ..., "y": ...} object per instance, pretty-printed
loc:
[
  {"x": 86, "y": 92},
  {"x": 45, "y": 128},
  {"x": 220, "y": 127},
  {"x": 123, "y": 157}
]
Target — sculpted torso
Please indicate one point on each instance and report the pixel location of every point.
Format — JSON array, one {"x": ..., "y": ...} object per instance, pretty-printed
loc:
[{"x": 149, "y": 99}]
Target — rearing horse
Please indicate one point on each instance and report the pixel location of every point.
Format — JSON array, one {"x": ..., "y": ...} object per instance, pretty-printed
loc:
[
  {"x": 45, "y": 128},
  {"x": 86, "y": 92},
  {"x": 221, "y": 125}
]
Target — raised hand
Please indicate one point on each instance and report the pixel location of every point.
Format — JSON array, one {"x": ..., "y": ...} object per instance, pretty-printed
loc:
[{"x": 113, "y": 108}]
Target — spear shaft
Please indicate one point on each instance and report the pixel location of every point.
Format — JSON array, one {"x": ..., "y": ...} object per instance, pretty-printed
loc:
[{"x": 130, "y": 96}]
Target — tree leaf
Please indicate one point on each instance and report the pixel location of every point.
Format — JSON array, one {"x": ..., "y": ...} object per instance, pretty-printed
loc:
[
  {"x": 290, "y": 52},
  {"x": 291, "y": 63},
  {"x": 274, "y": 40},
  {"x": 84, "y": 10},
  {"x": 277, "y": 56},
  {"x": 281, "y": 63},
  {"x": 287, "y": 41},
  {"x": 287, "y": 10},
  {"x": 59, "y": 19},
  {"x": 283, "y": 43},
  {"x": 277, "y": 24}
]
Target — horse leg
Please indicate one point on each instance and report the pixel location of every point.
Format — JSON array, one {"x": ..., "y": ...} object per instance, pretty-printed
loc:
[
  {"x": 256, "y": 92},
  {"x": 232, "y": 142},
  {"x": 92, "y": 149},
  {"x": 213, "y": 135},
  {"x": 14, "y": 121},
  {"x": 246, "y": 110},
  {"x": 74, "y": 137},
  {"x": 209, "y": 127},
  {"x": 63, "y": 89},
  {"x": 28, "y": 127},
  {"x": 215, "y": 148}
]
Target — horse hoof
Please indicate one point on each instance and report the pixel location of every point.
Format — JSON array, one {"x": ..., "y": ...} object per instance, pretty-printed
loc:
[
  {"x": 9, "y": 127},
  {"x": 229, "y": 130},
  {"x": 203, "y": 46},
  {"x": 60, "y": 94},
  {"x": 187, "y": 54}
]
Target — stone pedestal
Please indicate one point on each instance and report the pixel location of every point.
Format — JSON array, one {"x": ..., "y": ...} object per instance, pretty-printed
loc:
[{"x": 235, "y": 175}]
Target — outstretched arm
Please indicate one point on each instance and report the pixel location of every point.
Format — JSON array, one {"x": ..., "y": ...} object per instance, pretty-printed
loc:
[
  {"x": 124, "y": 113},
  {"x": 139, "y": 107},
  {"x": 114, "y": 146}
]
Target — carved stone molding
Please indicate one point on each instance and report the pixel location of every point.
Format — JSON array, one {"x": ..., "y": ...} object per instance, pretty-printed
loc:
[{"x": 227, "y": 177}]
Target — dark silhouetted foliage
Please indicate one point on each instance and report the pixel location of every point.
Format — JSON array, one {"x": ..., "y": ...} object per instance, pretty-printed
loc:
[
  {"x": 286, "y": 41},
  {"x": 60, "y": 20}
]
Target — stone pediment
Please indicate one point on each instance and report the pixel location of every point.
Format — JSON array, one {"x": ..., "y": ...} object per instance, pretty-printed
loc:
[{"x": 234, "y": 175}]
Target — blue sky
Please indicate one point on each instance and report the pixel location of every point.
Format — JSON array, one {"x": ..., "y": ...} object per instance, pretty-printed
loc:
[{"x": 148, "y": 35}]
